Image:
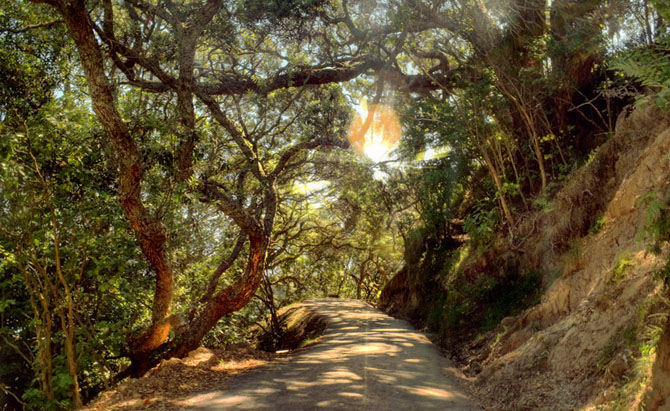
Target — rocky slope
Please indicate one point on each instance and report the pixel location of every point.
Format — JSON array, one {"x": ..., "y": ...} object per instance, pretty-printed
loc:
[{"x": 589, "y": 341}]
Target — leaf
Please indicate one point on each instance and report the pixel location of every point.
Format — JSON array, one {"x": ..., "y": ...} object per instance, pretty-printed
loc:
[
  {"x": 6, "y": 303},
  {"x": 63, "y": 381}
]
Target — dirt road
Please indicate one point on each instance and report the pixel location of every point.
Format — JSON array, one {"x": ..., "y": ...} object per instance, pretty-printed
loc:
[{"x": 366, "y": 360}]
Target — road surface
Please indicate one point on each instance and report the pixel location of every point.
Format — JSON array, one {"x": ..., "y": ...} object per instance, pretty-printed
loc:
[{"x": 365, "y": 360}]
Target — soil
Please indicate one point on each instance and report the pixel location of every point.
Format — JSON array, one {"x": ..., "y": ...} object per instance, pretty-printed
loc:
[
  {"x": 579, "y": 348},
  {"x": 589, "y": 343}
]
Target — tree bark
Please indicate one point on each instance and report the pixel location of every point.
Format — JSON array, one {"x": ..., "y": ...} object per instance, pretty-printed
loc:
[
  {"x": 226, "y": 301},
  {"x": 149, "y": 232}
]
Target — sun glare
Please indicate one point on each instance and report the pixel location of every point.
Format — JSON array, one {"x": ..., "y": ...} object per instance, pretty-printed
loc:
[{"x": 375, "y": 131}]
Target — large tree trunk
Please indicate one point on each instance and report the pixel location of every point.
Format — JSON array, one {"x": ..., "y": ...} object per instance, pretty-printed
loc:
[
  {"x": 150, "y": 347},
  {"x": 574, "y": 63},
  {"x": 149, "y": 232},
  {"x": 201, "y": 321}
]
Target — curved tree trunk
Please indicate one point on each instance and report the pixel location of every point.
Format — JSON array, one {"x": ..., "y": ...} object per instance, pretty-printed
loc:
[
  {"x": 149, "y": 232},
  {"x": 201, "y": 321},
  {"x": 150, "y": 347}
]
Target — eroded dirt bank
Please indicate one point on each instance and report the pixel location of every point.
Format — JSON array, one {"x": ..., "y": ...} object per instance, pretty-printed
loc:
[{"x": 589, "y": 342}]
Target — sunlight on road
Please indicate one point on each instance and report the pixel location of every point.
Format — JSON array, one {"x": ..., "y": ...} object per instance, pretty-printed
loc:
[
  {"x": 432, "y": 392},
  {"x": 364, "y": 361}
]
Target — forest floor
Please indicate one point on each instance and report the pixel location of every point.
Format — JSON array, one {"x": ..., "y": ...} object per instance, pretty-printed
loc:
[
  {"x": 172, "y": 382},
  {"x": 365, "y": 360}
]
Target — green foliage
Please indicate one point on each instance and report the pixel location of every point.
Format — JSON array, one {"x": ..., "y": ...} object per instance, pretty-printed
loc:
[
  {"x": 598, "y": 224},
  {"x": 299, "y": 328},
  {"x": 650, "y": 65},
  {"x": 509, "y": 296},
  {"x": 477, "y": 307},
  {"x": 59, "y": 143},
  {"x": 544, "y": 204},
  {"x": 624, "y": 264},
  {"x": 575, "y": 250},
  {"x": 623, "y": 338},
  {"x": 30, "y": 60},
  {"x": 440, "y": 183},
  {"x": 663, "y": 8},
  {"x": 435, "y": 317},
  {"x": 637, "y": 342},
  {"x": 415, "y": 246},
  {"x": 234, "y": 328},
  {"x": 641, "y": 349},
  {"x": 480, "y": 224},
  {"x": 657, "y": 228}
]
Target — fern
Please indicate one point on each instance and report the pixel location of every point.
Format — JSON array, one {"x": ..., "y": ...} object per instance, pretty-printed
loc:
[
  {"x": 657, "y": 227},
  {"x": 650, "y": 65}
]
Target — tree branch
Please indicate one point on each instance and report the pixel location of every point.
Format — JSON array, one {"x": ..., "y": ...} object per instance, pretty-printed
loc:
[
  {"x": 25, "y": 29},
  {"x": 307, "y": 145},
  {"x": 213, "y": 191},
  {"x": 223, "y": 267},
  {"x": 238, "y": 136},
  {"x": 308, "y": 76}
]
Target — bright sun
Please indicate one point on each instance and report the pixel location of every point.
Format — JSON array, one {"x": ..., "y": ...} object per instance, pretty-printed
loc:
[
  {"x": 375, "y": 131},
  {"x": 377, "y": 152}
]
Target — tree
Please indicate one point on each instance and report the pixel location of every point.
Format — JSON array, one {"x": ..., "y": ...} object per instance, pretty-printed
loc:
[
  {"x": 64, "y": 294},
  {"x": 515, "y": 55},
  {"x": 176, "y": 53},
  {"x": 240, "y": 71},
  {"x": 333, "y": 237}
]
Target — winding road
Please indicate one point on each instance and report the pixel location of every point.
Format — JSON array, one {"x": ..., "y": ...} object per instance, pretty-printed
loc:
[{"x": 366, "y": 360}]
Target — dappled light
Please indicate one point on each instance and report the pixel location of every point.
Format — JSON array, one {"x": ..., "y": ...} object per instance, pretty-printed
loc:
[
  {"x": 365, "y": 361},
  {"x": 431, "y": 392},
  {"x": 174, "y": 381},
  {"x": 178, "y": 177}
]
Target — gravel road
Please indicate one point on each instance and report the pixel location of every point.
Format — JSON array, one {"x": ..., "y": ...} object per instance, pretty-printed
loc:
[{"x": 366, "y": 360}]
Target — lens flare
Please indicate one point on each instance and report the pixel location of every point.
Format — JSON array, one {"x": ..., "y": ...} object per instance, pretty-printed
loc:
[{"x": 375, "y": 131}]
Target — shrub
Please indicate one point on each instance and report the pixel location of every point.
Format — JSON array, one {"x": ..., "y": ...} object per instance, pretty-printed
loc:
[
  {"x": 598, "y": 225},
  {"x": 480, "y": 224},
  {"x": 482, "y": 305}
]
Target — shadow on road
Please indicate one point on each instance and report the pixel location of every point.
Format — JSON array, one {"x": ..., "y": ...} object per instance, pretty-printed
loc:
[{"x": 366, "y": 361}]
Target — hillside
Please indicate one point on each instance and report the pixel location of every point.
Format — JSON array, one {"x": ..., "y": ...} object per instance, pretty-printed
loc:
[{"x": 589, "y": 341}]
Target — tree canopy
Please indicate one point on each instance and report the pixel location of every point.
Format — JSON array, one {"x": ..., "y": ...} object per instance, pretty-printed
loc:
[{"x": 173, "y": 171}]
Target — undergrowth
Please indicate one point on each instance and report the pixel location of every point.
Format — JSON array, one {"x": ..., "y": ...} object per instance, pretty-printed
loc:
[
  {"x": 598, "y": 225},
  {"x": 657, "y": 228},
  {"x": 652, "y": 313},
  {"x": 624, "y": 264},
  {"x": 299, "y": 327},
  {"x": 480, "y": 306},
  {"x": 640, "y": 345},
  {"x": 624, "y": 338}
]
